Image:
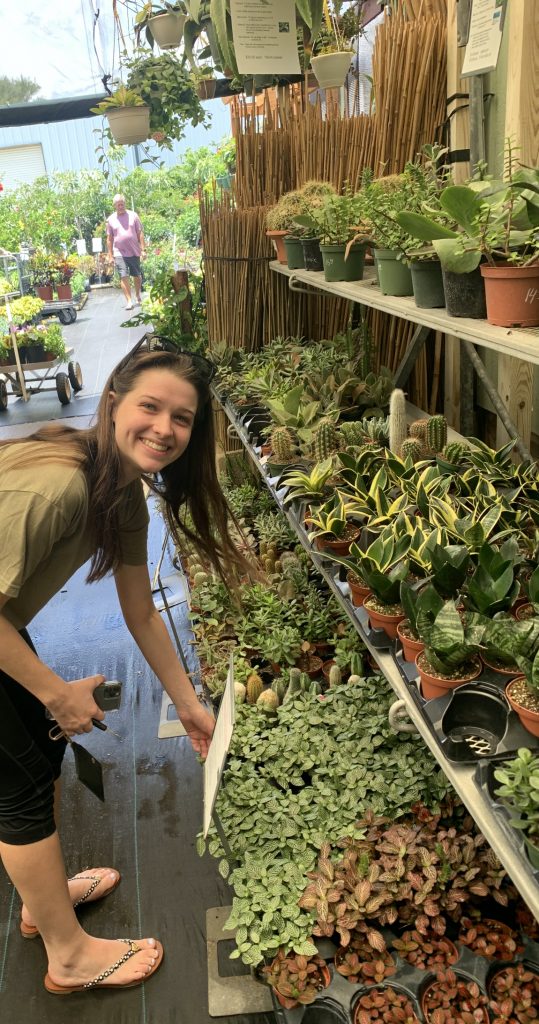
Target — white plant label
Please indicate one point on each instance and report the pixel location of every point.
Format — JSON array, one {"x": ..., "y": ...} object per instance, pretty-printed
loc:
[
  {"x": 485, "y": 36},
  {"x": 220, "y": 742}
]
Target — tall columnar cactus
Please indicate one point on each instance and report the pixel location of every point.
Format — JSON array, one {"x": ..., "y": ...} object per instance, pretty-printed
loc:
[
  {"x": 413, "y": 447},
  {"x": 254, "y": 688},
  {"x": 397, "y": 420},
  {"x": 294, "y": 687},
  {"x": 455, "y": 452},
  {"x": 325, "y": 440},
  {"x": 279, "y": 686},
  {"x": 419, "y": 429},
  {"x": 437, "y": 433},
  {"x": 283, "y": 444}
]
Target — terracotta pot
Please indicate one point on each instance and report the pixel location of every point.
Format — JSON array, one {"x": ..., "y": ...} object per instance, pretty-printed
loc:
[
  {"x": 277, "y": 237},
  {"x": 44, "y": 291},
  {"x": 433, "y": 686},
  {"x": 512, "y": 295},
  {"x": 502, "y": 670},
  {"x": 64, "y": 292},
  {"x": 358, "y": 591},
  {"x": 339, "y": 546},
  {"x": 311, "y": 664},
  {"x": 379, "y": 620},
  {"x": 525, "y": 610},
  {"x": 410, "y": 648},
  {"x": 529, "y": 719}
]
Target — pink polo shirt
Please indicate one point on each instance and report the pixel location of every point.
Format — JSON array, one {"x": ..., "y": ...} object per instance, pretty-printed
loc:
[{"x": 124, "y": 229}]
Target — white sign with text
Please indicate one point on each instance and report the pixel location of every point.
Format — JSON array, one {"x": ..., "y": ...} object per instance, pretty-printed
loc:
[
  {"x": 264, "y": 37},
  {"x": 222, "y": 735}
]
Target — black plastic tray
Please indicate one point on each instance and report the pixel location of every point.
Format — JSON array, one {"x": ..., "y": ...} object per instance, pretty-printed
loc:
[{"x": 335, "y": 1005}]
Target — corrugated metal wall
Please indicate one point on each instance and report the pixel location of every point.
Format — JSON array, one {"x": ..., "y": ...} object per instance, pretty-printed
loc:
[{"x": 70, "y": 145}]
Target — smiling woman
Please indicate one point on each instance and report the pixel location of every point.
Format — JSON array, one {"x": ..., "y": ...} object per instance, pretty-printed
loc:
[{"x": 66, "y": 496}]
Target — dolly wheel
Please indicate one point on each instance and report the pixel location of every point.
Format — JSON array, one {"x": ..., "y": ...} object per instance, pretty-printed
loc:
[
  {"x": 64, "y": 316},
  {"x": 3, "y": 396},
  {"x": 75, "y": 376},
  {"x": 72, "y": 314},
  {"x": 63, "y": 388}
]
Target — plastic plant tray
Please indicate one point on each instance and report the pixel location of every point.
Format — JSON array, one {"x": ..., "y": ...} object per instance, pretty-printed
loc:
[
  {"x": 474, "y": 722},
  {"x": 376, "y": 637},
  {"x": 336, "y": 1003}
]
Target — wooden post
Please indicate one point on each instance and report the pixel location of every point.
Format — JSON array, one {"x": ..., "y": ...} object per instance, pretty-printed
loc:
[
  {"x": 515, "y": 378},
  {"x": 459, "y": 141},
  {"x": 180, "y": 279}
]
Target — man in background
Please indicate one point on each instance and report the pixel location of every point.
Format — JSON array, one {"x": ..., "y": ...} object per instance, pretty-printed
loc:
[{"x": 126, "y": 246}]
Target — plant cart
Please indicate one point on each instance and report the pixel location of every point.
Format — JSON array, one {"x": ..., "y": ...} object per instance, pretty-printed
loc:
[
  {"x": 28, "y": 379},
  {"x": 64, "y": 309}
]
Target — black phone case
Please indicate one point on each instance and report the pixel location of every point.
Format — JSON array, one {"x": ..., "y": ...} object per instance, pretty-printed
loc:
[{"x": 89, "y": 770}]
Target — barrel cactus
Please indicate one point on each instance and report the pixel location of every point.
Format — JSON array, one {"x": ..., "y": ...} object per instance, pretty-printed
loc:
[
  {"x": 335, "y": 675},
  {"x": 419, "y": 429},
  {"x": 325, "y": 440},
  {"x": 283, "y": 444},
  {"x": 240, "y": 693},
  {"x": 268, "y": 701},
  {"x": 455, "y": 452},
  {"x": 254, "y": 688},
  {"x": 413, "y": 448}
]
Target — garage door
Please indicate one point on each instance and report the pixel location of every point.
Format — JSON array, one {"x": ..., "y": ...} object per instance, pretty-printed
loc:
[{"x": 21, "y": 164}]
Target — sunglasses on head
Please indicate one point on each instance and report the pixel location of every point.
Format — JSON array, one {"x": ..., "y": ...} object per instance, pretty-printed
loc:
[{"x": 158, "y": 343}]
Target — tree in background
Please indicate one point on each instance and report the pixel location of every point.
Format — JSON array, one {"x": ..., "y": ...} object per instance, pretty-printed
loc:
[
  {"x": 57, "y": 210},
  {"x": 17, "y": 90}
]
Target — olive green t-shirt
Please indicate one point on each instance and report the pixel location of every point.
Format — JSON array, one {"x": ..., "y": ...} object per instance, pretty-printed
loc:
[{"x": 43, "y": 535}]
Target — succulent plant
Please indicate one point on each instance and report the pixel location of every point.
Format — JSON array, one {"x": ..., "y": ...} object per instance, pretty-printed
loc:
[
  {"x": 255, "y": 686},
  {"x": 325, "y": 440},
  {"x": 412, "y": 448},
  {"x": 418, "y": 429},
  {"x": 268, "y": 701},
  {"x": 283, "y": 444},
  {"x": 436, "y": 433}
]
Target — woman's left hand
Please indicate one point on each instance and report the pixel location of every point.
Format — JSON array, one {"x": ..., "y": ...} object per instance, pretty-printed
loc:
[{"x": 198, "y": 724}]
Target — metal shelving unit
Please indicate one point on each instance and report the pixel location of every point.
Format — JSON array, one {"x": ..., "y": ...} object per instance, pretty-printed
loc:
[{"x": 462, "y": 777}]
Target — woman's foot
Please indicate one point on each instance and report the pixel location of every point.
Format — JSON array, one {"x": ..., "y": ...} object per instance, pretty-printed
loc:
[
  {"x": 105, "y": 963},
  {"x": 87, "y": 886}
]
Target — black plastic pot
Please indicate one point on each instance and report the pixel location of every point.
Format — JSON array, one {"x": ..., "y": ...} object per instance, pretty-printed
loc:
[
  {"x": 294, "y": 252},
  {"x": 465, "y": 294},
  {"x": 312, "y": 255}
]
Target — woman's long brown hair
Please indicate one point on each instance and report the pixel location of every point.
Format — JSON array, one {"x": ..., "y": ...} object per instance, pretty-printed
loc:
[{"x": 190, "y": 481}]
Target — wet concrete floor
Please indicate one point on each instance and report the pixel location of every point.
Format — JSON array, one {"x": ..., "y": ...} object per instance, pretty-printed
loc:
[{"x": 153, "y": 811}]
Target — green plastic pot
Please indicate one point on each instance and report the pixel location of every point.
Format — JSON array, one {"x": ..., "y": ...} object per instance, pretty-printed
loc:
[
  {"x": 427, "y": 283},
  {"x": 294, "y": 253},
  {"x": 394, "y": 276},
  {"x": 336, "y": 268},
  {"x": 311, "y": 254}
]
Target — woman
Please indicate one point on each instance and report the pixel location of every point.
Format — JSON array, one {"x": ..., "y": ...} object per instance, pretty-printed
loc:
[{"x": 66, "y": 496}]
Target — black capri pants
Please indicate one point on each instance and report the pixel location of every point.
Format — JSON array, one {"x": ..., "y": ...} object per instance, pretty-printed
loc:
[{"x": 30, "y": 762}]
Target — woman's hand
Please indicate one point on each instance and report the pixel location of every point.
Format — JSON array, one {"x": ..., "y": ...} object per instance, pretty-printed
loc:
[
  {"x": 198, "y": 724},
  {"x": 74, "y": 709}
]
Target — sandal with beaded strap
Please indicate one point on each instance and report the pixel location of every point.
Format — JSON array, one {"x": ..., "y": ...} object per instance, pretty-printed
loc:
[
  {"x": 100, "y": 982},
  {"x": 29, "y": 931}
]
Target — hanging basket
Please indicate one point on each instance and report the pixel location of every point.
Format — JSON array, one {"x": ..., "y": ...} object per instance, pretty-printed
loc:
[
  {"x": 167, "y": 29},
  {"x": 129, "y": 125},
  {"x": 331, "y": 69}
]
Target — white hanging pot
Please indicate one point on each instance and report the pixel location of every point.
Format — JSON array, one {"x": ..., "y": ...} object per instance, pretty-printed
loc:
[
  {"x": 331, "y": 69},
  {"x": 129, "y": 125},
  {"x": 167, "y": 29}
]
